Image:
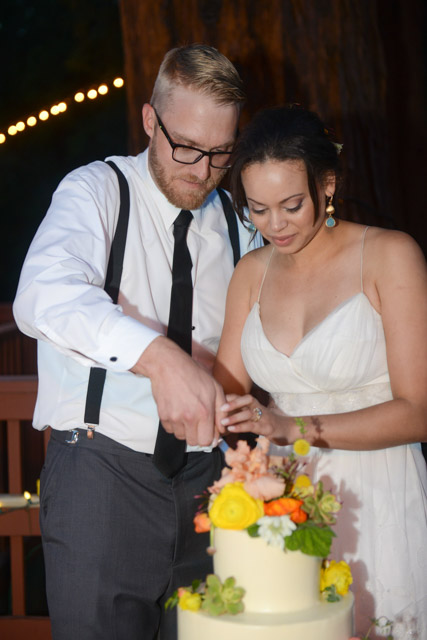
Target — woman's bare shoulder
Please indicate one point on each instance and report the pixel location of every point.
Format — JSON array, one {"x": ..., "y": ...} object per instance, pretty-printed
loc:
[
  {"x": 255, "y": 260},
  {"x": 393, "y": 246},
  {"x": 382, "y": 243},
  {"x": 250, "y": 270}
]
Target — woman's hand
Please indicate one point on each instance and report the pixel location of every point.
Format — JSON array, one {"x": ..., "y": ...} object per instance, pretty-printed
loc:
[{"x": 244, "y": 413}]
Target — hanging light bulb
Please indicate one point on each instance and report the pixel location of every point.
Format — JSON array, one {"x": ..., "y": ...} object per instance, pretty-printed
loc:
[
  {"x": 118, "y": 82},
  {"x": 43, "y": 115},
  {"x": 103, "y": 89},
  {"x": 92, "y": 94},
  {"x": 31, "y": 121},
  {"x": 79, "y": 97}
]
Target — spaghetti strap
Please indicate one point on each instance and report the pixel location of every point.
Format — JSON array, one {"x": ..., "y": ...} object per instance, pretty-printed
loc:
[
  {"x": 265, "y": 273},
  {"x": 361, "y": 258}
]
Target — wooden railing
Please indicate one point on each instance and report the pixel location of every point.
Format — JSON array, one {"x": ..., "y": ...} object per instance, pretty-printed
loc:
[
  {"x": 17, "y": 352},
  {"x": 17, "y": 399}
]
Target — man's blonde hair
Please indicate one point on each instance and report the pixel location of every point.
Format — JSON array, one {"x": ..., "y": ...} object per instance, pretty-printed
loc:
[{"x": 201, "y": 68}]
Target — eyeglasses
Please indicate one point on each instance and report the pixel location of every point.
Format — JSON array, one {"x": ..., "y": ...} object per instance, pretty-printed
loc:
[{"x": 190, "y": 155}]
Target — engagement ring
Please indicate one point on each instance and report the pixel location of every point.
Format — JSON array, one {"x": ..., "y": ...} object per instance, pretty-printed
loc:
[{"x": 257, "y": 414}]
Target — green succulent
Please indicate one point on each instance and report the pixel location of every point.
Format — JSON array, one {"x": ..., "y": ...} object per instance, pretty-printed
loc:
[
  {"x": 222, "y": 598},
  {"x": 321, "y": 506}
]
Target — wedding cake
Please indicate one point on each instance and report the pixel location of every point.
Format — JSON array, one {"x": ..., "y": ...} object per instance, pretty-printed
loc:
[
  {"x": 282, "y": 598},
  {"x": 270, "y": 540}
]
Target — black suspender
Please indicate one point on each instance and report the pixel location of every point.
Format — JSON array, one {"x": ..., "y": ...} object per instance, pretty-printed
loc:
[
  {"x": 233, "y": 230},
  {"x": 97, "y": 375}
]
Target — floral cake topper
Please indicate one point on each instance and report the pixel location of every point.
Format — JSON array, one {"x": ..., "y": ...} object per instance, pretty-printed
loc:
[{"x": 271, "y": 498}]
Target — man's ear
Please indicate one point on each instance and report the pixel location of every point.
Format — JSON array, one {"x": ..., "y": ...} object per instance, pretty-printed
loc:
[{"x": 148, "y": 119}]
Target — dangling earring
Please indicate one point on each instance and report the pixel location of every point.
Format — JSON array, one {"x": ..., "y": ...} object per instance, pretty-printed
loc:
[
  {"x": 251, "y": 226},
  {"x": 330, "y": 222}
]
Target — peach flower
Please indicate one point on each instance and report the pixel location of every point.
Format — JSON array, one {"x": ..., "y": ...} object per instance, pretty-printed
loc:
[
  {"x": 265, "y": 487},
  {"x": 202, "y": 523},
  {"x": 250, "y": 467}
]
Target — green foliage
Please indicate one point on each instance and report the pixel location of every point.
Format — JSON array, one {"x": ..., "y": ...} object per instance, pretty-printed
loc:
[
  {"x": 301, "y": 424},
  {"x": 331, "y": 594},
  {"x": 172, "y": 602},
  {"x": 253, "y": 530},
  {"x": 311, "y": 539}
]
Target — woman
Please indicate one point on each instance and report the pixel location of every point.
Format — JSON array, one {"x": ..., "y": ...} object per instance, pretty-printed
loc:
[{"x": 331, "y": 320}]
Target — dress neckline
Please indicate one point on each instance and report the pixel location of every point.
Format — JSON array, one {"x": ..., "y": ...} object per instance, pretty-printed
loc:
[{"x": 317, "y": 326}]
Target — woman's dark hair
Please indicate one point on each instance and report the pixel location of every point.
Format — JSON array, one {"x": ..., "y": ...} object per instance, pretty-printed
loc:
[{"x": 284, "y": 133}]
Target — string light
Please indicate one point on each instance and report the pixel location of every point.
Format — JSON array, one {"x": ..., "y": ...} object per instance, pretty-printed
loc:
[
  {"x": 17, "y": 502},
  {"x": 58, "y": 108}
]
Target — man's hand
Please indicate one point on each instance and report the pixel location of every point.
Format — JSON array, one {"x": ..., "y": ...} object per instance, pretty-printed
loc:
[{"x": 187, "y": 396}]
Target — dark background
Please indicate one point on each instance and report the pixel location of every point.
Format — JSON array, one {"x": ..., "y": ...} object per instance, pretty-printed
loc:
[
  {"x": 49, "y": 50},
  {"x": 361, "y": 65}
]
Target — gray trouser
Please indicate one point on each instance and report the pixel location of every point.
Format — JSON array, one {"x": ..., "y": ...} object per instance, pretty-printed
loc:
[{"x": 118, "y": 538}]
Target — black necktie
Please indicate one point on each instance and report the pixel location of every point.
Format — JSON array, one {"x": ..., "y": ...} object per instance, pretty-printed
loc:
[{"x": 169, "y": 452}]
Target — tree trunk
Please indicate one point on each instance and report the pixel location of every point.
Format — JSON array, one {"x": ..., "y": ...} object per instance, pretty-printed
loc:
[{"x": 341, "y": 58}]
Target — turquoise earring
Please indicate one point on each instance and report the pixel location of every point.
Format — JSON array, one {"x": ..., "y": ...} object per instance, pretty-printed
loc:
[
  {"x": 251, "y": 226},
  {"x": 330, "y": 221}
]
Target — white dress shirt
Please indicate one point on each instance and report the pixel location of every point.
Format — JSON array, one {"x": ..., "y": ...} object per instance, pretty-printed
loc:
[{"x": 61, "y": 300}]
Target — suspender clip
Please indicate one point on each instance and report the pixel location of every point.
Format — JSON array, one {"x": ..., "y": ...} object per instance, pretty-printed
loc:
[{"x": 90, "y": 431}]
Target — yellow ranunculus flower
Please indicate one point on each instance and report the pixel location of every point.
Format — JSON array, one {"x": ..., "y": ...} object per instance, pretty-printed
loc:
[
  {"x": 301, "y": 447},
  {"x": 190, "y": 601},
  {"x": 233, "y": 508},
  {"x": 302, "y": 482},
  {"x": 337, "y": 574}
]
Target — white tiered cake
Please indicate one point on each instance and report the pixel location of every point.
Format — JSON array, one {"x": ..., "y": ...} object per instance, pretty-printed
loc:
[{"x": 282, "y": 597}]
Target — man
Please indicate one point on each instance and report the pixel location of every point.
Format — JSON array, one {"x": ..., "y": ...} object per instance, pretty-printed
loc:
[{"x": 117, "y": 532}]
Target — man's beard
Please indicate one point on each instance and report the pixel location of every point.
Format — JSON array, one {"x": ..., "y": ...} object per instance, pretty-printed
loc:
[{"x": 176, "y": 195}]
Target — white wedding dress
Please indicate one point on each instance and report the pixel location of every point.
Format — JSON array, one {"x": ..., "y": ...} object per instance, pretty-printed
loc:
[{"x": 341, "y": 366}]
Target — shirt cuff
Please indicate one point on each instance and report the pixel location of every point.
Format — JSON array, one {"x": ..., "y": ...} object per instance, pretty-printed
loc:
[{"x": 125, "y": 343}]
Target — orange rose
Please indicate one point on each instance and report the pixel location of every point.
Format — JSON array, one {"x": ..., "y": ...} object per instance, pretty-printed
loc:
[
  {"x": 284, "y": 507},
  {"x": 202, "y": 523}
]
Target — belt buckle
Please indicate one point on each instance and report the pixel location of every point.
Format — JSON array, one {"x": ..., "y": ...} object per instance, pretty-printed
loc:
[{"x": 74, "y": 436}]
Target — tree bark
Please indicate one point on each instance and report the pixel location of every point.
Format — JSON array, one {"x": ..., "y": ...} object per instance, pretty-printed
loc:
[{"x": 333, "y": 56}]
